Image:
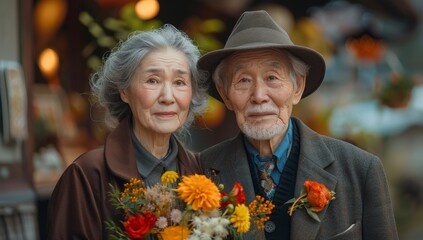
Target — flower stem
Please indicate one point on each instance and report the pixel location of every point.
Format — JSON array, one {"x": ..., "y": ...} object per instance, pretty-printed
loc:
[{"x": 291, "y": 209}]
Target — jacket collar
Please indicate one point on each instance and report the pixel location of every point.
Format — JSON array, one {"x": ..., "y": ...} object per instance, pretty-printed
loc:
[
  {"x": 119, "y": 152},
  {"x": 236, "y": 169},
  {"x": 315, "y": 157}
]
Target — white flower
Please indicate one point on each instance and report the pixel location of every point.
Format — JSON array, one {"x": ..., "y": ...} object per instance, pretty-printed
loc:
[
  {"x": 196, "y": 221},
  {"x": 220, "y": 228},
  {"x": 161, "y": 222},
  {"x": 205, "y": 236},
  {"x": 176, "y": 216}
]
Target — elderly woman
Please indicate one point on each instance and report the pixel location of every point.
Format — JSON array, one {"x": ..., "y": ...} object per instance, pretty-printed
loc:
[{"x": 151, "y": 89}]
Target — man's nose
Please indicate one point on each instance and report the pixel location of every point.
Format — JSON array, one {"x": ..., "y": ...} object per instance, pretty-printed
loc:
[{"x": 259, "y": 93}]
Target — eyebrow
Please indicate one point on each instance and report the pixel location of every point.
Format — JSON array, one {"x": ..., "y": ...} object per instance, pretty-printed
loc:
[
  {"x": 267, "y": 63},
  {"x": 275, "y": 64},
  {"x": 157, "y": 70},
  {"x": 238, "y": 67}
]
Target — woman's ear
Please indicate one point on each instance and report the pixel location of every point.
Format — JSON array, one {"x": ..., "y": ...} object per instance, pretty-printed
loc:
[
  {"x": 124, "y": 95},
  {"x": 222, "y": 94},
  {"x": 298, "y": 93}
]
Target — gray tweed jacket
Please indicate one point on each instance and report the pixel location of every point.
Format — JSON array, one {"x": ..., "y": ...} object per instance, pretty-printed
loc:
[{"x": 362, "y": 208}]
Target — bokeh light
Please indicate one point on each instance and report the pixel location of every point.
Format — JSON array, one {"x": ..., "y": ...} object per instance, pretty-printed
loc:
[
  {"x": 48, "y": 62},
  {"x": 147, "y": 9}
]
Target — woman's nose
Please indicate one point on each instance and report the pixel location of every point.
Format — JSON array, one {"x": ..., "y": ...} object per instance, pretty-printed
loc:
[{"x": 166, "y": 95}]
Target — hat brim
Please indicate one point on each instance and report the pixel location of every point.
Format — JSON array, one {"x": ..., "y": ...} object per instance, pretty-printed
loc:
[{"x": 317, "y": 67}]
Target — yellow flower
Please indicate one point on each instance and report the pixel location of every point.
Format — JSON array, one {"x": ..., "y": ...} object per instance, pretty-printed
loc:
[
  {"x": 241, "y": 218},
  {"x": 175, "y": 233},
  {"x": 199, "y": 191},
  {"x": 169, "y": 177}
]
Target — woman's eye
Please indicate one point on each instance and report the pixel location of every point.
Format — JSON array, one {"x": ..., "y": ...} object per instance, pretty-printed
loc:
[
  {"x": 180, "y": 83},
  {"x": 244, "y": 80},
  {"x": 152, "y": 81}
]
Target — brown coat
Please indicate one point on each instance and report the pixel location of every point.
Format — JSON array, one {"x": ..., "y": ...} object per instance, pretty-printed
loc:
[{"x": 79, "y": 204}]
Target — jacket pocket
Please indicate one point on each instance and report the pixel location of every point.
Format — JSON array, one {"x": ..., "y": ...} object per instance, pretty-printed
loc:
[{"x": 352, "y": 232}]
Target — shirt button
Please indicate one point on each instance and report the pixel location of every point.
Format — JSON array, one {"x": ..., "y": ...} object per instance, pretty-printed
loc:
[{"x": 269, "y": 226}]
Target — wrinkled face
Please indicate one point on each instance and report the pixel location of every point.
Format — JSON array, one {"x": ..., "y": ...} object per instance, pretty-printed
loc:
[
  {"x": 261, "y": 92},
  {"x": 160, "y": 92}
]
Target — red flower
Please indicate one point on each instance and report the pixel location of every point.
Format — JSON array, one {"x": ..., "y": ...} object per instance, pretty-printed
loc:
[
  {"x": 317, "y": 195},
  {"x": 139, "y": 225},
  {"x": 236, "y": 196},
  {"x": 238, "y": 193}
]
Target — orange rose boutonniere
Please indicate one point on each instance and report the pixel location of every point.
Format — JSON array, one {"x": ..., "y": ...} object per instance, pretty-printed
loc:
[{"x": 314, "y": 197}]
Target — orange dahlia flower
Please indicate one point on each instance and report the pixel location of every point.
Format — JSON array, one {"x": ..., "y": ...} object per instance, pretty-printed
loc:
[{"x": 199, "y": 191}]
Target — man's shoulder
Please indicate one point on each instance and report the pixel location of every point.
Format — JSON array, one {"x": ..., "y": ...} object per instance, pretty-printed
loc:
[
  {"x": 219, "y": 147},
  {"x": 332, "y": 143},
  {"x": 345, "y": 146}
]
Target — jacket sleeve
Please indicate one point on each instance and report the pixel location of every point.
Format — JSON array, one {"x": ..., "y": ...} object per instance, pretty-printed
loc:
[
  {"x": 378, "y": 217},
  {"x": 73, "y": 212}
]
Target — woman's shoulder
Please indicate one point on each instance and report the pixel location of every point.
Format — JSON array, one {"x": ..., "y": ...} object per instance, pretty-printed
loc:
[
  {"x": 188, "y": 160},
  {"x": 90, "y": 159}
]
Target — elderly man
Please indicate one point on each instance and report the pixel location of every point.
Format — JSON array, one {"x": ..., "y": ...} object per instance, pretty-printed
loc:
[{"x": 260, "y": 75}]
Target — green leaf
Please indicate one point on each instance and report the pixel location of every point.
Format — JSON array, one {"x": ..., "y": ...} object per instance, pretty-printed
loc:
[
  {"x": 96, "y": 30},
  {"x": 106, "y": 41},
  {"x": 114, "y": 24},
  {"x": 292, "y": 200},
  {"x": 313, "y": 214},
  {"x": 85, "y": 18},
  {"x": 213, "y": 25}
]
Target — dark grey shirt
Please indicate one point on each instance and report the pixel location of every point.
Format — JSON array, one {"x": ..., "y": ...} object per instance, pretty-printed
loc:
[{"x": 150, "y": 167}]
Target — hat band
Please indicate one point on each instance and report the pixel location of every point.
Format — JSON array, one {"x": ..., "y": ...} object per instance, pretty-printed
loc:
[{"x": 257, "y": 37}]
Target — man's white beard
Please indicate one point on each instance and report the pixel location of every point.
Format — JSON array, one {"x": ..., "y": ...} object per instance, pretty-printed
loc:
[{"x": 261, "y": 133}]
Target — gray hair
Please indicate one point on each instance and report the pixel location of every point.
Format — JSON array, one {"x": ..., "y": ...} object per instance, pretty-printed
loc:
[
  {"x": 120, "y": 66},
  {"x": 297, "y": 68}
]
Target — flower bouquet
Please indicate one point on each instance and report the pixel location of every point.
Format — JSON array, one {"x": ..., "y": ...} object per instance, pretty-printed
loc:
[{"x": 191, "y": 207}]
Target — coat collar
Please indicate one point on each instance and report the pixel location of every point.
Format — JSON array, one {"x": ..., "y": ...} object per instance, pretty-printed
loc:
[
  {"x": 236, "y": 169},
  {"x": 119, "y": 152},
  {"x": 120, "y": 155},
  {"x": 315, "y": 157}
]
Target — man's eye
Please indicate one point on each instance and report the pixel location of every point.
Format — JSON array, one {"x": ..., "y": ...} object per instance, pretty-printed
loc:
[
  {"x": 272, "y": 77},
  {"x": 243, "y": 83},
  {"x": 274, "y": 81}
]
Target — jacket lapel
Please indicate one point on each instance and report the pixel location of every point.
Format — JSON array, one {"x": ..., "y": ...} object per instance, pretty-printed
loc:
[
  {"x": 235, "y": 168},
  {"x": 241, "y": 168},
  {"x": 314, "y": 158},
  {"x": 119, "y": 152}
]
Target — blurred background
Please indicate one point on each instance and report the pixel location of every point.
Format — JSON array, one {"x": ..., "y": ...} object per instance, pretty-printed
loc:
[{"x": 372, "y": 95}]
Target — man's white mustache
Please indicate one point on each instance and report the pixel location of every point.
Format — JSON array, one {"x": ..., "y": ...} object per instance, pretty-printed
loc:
[{"x": 261, "y": 109}]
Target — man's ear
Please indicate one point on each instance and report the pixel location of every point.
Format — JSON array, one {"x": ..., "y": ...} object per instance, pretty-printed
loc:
[
  {"x": 222, "y": 94},
  {"x": 124, "y": 95},
  {"x": 300, "y": 89}
]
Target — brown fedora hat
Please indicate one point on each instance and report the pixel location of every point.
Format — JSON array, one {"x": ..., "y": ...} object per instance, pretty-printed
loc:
[{"x": 257, "y": 30}]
